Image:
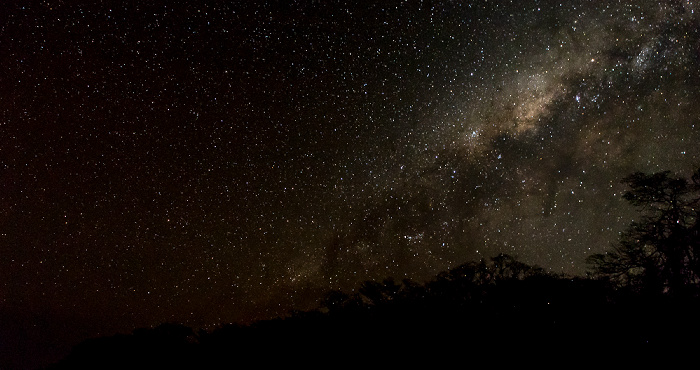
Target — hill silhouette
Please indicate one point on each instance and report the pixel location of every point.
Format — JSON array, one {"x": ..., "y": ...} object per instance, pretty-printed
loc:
[{"x": 491, "y": 306}]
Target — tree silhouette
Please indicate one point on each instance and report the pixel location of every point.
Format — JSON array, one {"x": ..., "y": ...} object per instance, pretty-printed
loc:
[
  {"x": 376, "y": 293},
  {"x": 660, "y": 253}
]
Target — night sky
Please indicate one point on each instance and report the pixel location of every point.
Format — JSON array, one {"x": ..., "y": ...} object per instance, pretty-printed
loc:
[{"x": 215, "y": 162}]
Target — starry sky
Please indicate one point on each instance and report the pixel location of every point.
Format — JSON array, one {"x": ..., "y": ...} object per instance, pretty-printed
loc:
[{"x": 214, "y": 161}]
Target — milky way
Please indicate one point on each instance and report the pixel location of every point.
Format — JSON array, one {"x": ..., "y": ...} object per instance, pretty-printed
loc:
[{"x": 209, "y": 162}]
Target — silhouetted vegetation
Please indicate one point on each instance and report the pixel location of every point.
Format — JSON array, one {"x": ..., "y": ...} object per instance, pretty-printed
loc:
[
  {"x": 660, "y": 254},
  {"x": 641, "y": 300}
]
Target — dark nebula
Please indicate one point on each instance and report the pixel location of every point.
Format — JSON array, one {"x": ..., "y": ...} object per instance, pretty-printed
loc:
[{"x": 214, "y": 162}]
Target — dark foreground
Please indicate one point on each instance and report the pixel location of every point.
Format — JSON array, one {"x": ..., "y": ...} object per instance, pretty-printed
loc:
[{"x": 525, "y": 316}]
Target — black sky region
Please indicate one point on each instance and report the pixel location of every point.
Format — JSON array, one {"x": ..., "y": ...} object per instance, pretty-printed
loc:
[{"x": 206, "y": 162}]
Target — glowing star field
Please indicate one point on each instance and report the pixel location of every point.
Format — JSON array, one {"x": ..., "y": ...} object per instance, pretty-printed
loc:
[{"x": 217, "y": 161}]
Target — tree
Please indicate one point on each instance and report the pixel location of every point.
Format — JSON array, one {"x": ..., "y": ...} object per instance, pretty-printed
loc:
[
  {"x": 376, "y": 293},
  {"x": 660, "y": 253}
]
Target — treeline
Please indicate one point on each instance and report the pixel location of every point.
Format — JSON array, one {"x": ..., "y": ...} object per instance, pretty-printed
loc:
[
  {"x": 497, "y": 305},
  {"x": 641, "y": 298}
]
